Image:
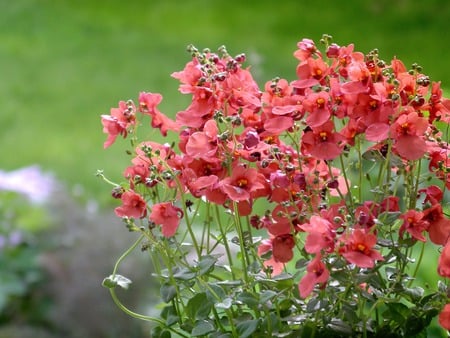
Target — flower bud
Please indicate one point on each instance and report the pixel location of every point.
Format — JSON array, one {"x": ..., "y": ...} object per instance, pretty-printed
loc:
[{"x": 117, "y": 192}]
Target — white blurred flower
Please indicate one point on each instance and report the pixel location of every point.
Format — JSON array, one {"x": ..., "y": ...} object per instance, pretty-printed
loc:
[{"x": 30, "y": 181}]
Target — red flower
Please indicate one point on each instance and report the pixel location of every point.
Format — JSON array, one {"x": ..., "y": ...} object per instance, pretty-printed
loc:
[
  {"x": 358, "y": 249},
  {"x": 264, "y": 248},
  {"x": 243, "y": 184},
  {"x": 408, "y": 132},
  {"x": 316, "y": 273},
  {"x": 306, "y": 48},
  {"x": 439, "y": 225},
  {"x": 444, "y": 317},
  {"x": 147, "y": 105},
  {"x": 322, "y": 142},
  {"x": 438, "y": 106},
  {"x": 168, "y": 216},
  {"x": 444, "y": 261},
  {"x": 203, "y": 143},
  {"x": 415, "y": 224},
  {"x": 440, "y": 165},
  {"x": 316, "y": 104},
  {"x": 320, "y": 235},
  {"x": 282, "y": 248},
  {"x": 118, "y": 121},
  {"x": 133, "y": 205}
]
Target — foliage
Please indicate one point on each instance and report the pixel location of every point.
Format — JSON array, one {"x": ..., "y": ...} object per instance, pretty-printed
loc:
[
  {"x": 252, "y": 223},
  {"x": 21, "y": 275}
]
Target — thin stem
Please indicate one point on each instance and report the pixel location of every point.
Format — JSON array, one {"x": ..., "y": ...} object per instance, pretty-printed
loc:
[
  {"x": 244, "y": 253},
  {"x": 344, "y": 173},
  {"x": 224, "y": 239},
  {"x": 126, "y": 253},
  {"x": 416, "y": 269},
  {"x": 143, "y": 317}
]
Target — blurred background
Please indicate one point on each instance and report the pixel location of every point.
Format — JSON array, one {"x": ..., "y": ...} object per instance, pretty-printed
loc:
[{"x": 64, "y": 63}]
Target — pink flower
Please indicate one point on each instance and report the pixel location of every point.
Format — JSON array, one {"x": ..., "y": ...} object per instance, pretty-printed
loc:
[
  {"x": 408, "y": 132},
  {"x": 444, "y": 317},
  {"x": 147, "y": 105},
  {"x": 320, "y": 235},
  {"x": 118, "y": 121},
  {"x": 322, "y": 142},
  {"x": 282, "y": 248},
  {"x": 275, "y": 266},
  {"x": 444, "y": 261},
  {"x": 415, "y": 224},
  {"x": 439, "y": 224},
  {"x": 133, "y": 205},
  {"x": 243, "y": 183},
  {"x": 203, "y": 143},
  {"x": 316, "y": 273},
  {"x": 358, "y": 249},
  {"x": 168, "y": 216}
]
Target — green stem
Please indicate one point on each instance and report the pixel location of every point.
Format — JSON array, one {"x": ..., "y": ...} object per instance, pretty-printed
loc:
[
  {"x": 244, "y": 253},
  {"x": 224, "y": 240},
  {"x": 416, "y": 269},
  {"x": 126, "y": 253},
  {"x": 344, "y": 174},
  {"x": 142, "y": 317}
]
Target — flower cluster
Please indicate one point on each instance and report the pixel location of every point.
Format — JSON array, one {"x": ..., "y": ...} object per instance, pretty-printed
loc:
[{"x": 328, "y": 181}]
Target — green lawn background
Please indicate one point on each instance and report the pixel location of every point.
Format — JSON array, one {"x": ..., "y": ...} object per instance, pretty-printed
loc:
[{"x": 63, "y": 63}]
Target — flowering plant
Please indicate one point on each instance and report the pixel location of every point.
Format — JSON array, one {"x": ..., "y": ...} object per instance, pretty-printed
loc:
[{"x": 303, "y": 209}]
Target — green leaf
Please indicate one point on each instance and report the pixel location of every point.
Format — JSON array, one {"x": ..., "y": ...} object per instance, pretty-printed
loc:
[
  {"x": 201, "y": 328},
  {"x": 183, "y": 274},
  {"x": 159, "y": 332},
  {"x": 206, "y": 264},
  {"x": 397, "y": 312},
  {"x": 198, "y": 307},
  {"x": 246, "y": 328},
  {"x": 248, "y": 298},
  {"x": 168, "y": 292},
  {"x": 266, "y": 295},
  {"x": 215, "y": 293},
  {"x": 389, "y": 217},
  {"x": 338, "y": 325},
  {"x": 415, "y": 293},
  {"x": 116, "y": 280},
  {"x": 308, "y": 329},
  {"x": 301, "y": 263},
  {"x": 169, "y": 313}
]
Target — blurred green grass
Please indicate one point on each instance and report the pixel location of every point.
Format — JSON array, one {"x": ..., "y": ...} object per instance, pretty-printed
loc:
[{"x": 63, "y": 63}]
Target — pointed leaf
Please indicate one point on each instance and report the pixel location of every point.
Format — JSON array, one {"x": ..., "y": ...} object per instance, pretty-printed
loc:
[
  {"x": 206, "y": 264},
  {"x": 246, "y": 328},
  {"x": 201, "y": 328},
  {"x": 168, "y": 292}
]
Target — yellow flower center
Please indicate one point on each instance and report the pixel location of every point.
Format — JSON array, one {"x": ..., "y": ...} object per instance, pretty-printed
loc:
[{"x": 242, "y": 182}]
